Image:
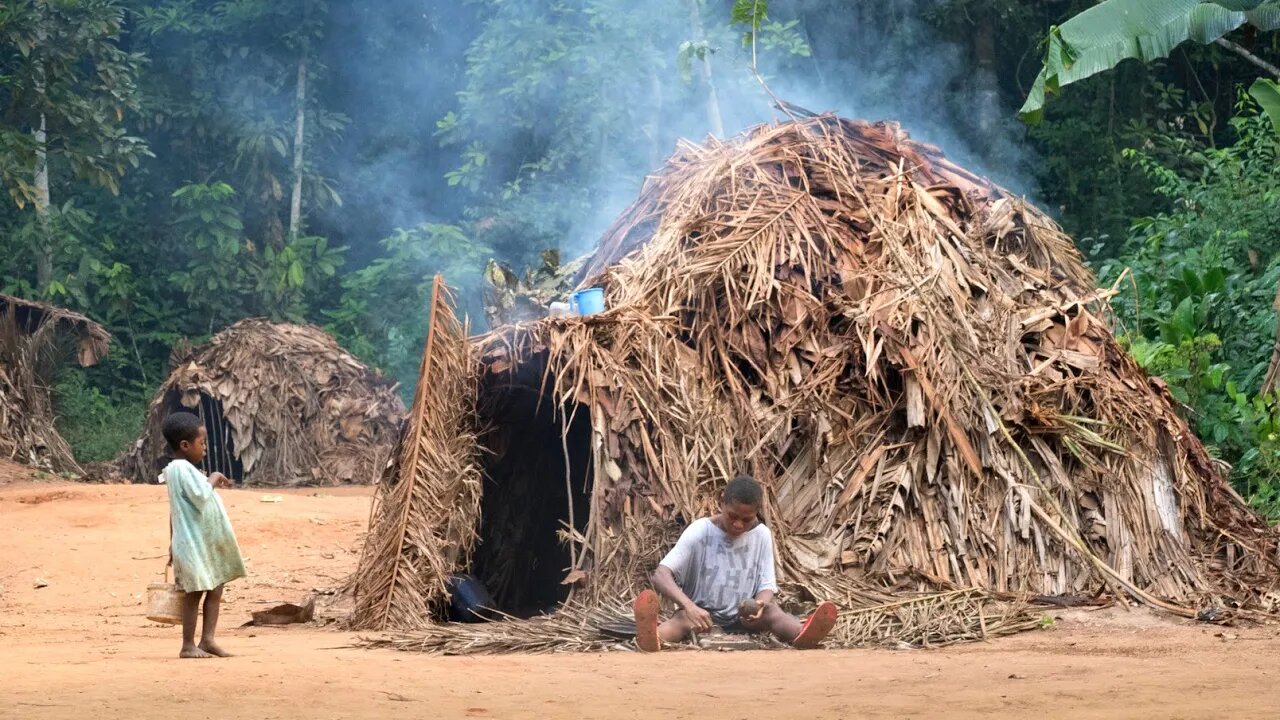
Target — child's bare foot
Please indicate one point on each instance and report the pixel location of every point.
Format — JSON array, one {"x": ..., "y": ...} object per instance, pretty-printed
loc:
[
  {"x": 212, "y": 648},
  {"x": 192, "y": 651}
]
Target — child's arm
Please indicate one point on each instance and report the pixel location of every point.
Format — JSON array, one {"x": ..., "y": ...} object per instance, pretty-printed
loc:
[
  {"x": 678, "y": 561},
  {"x": 665, "y": 582},
  {"x": 767, "y": 588},
  {"x": 189, "y": 483}
]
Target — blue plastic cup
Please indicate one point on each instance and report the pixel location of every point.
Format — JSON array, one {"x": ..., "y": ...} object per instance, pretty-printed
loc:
[{"x": 587, "y": 302}]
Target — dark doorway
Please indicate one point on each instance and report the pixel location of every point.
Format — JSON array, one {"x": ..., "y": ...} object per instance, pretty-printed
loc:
[
  {"x": 522, "y": 556},
  {"x": 220, "y": 449}
]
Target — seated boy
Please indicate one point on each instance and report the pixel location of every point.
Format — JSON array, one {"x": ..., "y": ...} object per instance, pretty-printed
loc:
[{"x": 718, "y": 563}]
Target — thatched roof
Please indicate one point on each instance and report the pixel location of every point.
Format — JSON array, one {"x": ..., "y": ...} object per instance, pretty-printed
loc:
[
  {"x": 914, "y": 362},
  {"x": 32, "y": 317},
  {"x": 32, "y": 337},
  {"x": 298, "y": 409}
]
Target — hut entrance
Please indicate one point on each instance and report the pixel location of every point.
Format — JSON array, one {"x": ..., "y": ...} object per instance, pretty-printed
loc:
[
  {"x": 220, "y": 449},
  {"x": 537, "y": 465}
]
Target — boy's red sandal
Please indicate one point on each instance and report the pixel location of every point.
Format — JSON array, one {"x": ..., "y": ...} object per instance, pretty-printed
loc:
[
  {"x": 817, "y": 627},
  {"x": 646, "y": 610}
]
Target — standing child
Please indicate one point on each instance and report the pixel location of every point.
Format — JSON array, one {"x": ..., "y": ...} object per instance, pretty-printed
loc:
[
  {"x": 203, "y": 547},
  {"x": 718, "y": 563}
]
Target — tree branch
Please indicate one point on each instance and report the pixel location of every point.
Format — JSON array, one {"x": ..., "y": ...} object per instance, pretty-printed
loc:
[{"x": 1239, "y": 50}]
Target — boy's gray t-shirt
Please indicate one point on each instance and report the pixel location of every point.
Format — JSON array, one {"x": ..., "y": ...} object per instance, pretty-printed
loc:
[{"x": 718, "y": 572}]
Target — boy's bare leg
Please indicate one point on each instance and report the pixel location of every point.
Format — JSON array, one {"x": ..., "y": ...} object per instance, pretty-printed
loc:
[
  {"x": 675, "y": 629},
  {"x": 190, "y": 609},
  {"x": 212, "y": 607},
  {"x": 782, "y": 624}
]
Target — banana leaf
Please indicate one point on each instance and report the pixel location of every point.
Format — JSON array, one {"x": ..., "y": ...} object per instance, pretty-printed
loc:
[{"x": 1111, "y": 32}]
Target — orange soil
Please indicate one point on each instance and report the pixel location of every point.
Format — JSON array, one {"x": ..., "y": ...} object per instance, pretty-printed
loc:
[{"x": 79, "y": 647}]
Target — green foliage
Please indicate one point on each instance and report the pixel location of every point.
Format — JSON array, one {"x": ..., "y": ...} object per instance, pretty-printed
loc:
[
  {"x": 383, "y": 309},
  {"x": 557, "y": 102},
  {"x": 208, "y": 221},
  {"x": 783, "y": 38},
  {"x": 751, "y": 13},
  {"x": 228, "y": 277},
  {"x": 687, "y": 53},
  {"x": 96, "y": 426},
  {"x": 505, "y": 127},
  {"x": 1103, "y": 36},
  {"x": 285, "y": 279},
  {"x": 62, "y": 67},
  {"x": 771, "y": 35},
  {"x": 73, "y": 227},
  {"x": 564, "y": 99},
  {"x": 1266, "y": 93},
  {"x": 1200, "y": 312},
  {"x": 1257, "y": 470},
  {"x": 209, "y": 235}
]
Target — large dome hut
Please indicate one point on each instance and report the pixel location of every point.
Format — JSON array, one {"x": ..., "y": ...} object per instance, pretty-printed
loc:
[{"x": 915, "y": 363}]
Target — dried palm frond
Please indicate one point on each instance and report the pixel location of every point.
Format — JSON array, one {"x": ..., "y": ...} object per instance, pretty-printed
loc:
[
  {"x": 574, "y": 628},
  {"x": 929, "y": 620},
  {"x": 424, "y": 518},
  {"x": 933, "y": 620}
]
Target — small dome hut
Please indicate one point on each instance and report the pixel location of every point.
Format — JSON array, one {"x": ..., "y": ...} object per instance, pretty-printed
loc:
[{"x": 283, "y": 405}]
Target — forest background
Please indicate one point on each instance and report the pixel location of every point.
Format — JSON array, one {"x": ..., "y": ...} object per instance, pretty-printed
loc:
[{"x": 172, "y": 166}]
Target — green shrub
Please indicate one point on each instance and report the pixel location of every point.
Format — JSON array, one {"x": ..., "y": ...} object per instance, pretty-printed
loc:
[
  {"x": 97, "y": 426},
  {"x": 1198, "y": 311}
]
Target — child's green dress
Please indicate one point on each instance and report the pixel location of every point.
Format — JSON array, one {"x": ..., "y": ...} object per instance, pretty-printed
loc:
[{"x": 205, "y": 553}]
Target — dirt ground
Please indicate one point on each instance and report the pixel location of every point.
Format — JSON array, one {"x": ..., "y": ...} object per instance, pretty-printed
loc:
[{"x": 80, "y": 643}]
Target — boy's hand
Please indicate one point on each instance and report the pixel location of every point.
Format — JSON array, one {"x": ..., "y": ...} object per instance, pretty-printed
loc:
[
  {"x": 219, "y": 480},
  {"x": 700, "y": 618}
]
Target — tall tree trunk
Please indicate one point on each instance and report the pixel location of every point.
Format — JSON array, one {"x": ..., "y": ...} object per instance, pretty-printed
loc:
[
  {"x": 295, "y": 202},
  {"x": 704, "y": 69},
  {"x": 987, "y": 95},
  {"x": 44, "y": 248},
  {"x": 1272, "y": 380},
  {"x": 44, "y": 245}
]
